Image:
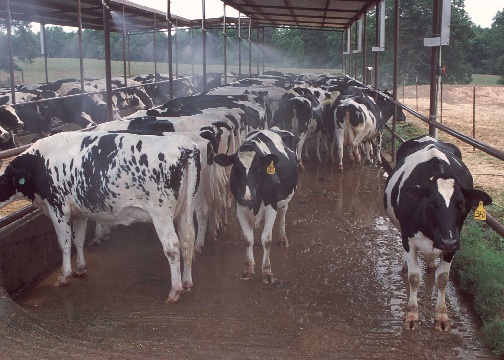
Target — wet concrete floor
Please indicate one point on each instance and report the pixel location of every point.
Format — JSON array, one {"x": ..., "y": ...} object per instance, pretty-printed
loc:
[{"x": 339, "y": 293}]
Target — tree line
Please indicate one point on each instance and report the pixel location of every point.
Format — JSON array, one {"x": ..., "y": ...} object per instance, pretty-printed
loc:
[{"x": 472, "y": 49}]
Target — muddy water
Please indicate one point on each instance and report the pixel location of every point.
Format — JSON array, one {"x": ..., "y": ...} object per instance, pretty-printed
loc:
[{"x": 339, "y": 293}]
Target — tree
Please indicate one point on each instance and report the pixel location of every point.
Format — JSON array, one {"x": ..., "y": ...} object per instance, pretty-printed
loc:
[
  {"x": 496, "y": 46},
  {"x": 25, "y": 45}
]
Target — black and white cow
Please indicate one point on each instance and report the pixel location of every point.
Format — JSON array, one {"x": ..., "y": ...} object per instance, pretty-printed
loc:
[
  {"x": 359, "y": 120},
  {"x": 428, "y": 196},
  {"x": 209, "y": 202},
  {"x": 9, "y": 119},
  {"x": 296, "y": 114},
  {"x": 263, "y": 181},
  {"x": 112, "y": 179}
]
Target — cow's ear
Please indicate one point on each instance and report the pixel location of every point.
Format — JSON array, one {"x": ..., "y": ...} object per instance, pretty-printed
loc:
[
  {"x": 268, "y": 159},
  {"x": 473, "y": 197},
  {"x": 415, "y": 192},
  {"x": 223, "y": 159}
]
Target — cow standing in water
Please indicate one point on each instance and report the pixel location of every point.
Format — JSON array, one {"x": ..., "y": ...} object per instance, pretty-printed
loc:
[
  {"x": 263, "y": 180},
  {"x": 428, "y": 196},
  {"x": 112, "y": 179}
]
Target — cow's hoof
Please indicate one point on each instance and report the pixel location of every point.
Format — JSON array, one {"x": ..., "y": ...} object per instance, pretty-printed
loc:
[
  {"x": 197, "y": 249},
  {"x": 340, "y": 168},
  {"x": 282, "y": 241},
  {"x": 247, "y": 274},
  {"x": 442, "y": 325},
  {"x": 62, "y": 280},
  {"x": 267, "y": 278},
  {"x": 187, "y": 287},
  {"x": 301, "y": 166},
  {"x": 79, "y": 272},
  {"x": 318, "y": 159},
  {"x": 411, "y": 322},
  {"x": 173, "y": 297}
]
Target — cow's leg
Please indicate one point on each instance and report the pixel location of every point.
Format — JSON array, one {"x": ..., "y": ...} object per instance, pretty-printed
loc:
[
  {"x": 299, "y": 149},
  {"x": 79, "y": 237},
  {"x": 170, "y": 242},
  {"x": 186, "y": 235},
  {"x": 332, "y": 140},
  {"x": 245, "y": 218},
  {"x": 102, "y": 231},
  {"x": 64, "y": 233},
  {"x": 367, "y": 151},
  {"x": 414, "y": 279},
  {"x": 266, "y": 239},
  {"x": 202, "y": 219},
  {"x": 317, "y": 146},
  {"x": 282, "y": 236},
  {"x": 378, "y": 148},
  {"x": 441, "y": 321},
  {"x": 356, "y": 154},
  {"x": 259, "y": 217},
  {"x": 339, "y": 137}
]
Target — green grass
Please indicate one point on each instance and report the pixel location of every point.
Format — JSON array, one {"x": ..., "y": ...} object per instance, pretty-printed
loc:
[
  {"x": 406, "y": 130},
  {"x": 485, "y": 80},
  {"x": 479, "y": 271},
  {"x": 70, "y": 68}
]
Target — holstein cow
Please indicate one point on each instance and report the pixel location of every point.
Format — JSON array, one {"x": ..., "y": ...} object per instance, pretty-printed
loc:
[
  {"x": 263, "y": 181},
  {"x": 296, "y": 114},
  {"x": 359, "y": 118},
  {"x": 112, "y": 179},
  {"x": 208, "y": 200},
  {"x": 428, "y": 196}
]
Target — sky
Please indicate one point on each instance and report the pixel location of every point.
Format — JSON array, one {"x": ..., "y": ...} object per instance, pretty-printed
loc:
[{"x": 480, "y": 11}]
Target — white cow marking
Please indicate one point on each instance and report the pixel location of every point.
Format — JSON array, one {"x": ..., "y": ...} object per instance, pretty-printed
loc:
[
  {"x": 246, "y": 158},
  {"x": 446, "y": 187}
]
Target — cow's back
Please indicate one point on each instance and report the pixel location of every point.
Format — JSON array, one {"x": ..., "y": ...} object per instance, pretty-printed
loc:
[{"x": 115, "y": 178}]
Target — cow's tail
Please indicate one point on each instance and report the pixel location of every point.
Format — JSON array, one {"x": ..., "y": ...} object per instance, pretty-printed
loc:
[{"x": 188, "y": 190}]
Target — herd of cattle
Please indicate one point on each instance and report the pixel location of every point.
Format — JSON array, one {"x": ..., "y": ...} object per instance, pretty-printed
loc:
[{"x": 192, "y": 155}]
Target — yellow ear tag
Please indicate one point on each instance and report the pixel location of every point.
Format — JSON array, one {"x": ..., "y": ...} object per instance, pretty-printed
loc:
[
  {"x": 271, "y": 169},
  {"x": 480, "y": 212}
]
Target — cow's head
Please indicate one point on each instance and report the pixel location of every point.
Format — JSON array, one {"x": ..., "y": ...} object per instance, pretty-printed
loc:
[
  {"x": 249, "y": 170},
  {"x": 443, "y": 205},
  {"x": 387, "y": 107},
  {"x": 15, "y": 182},
  {"x": 9, "y": 119}
]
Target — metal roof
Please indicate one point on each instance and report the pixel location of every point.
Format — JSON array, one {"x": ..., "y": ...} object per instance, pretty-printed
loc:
[
  {"x": 65, "y": 13},
  {"x": 335, "y": 14},
  {"x": 339, "y": 14}
]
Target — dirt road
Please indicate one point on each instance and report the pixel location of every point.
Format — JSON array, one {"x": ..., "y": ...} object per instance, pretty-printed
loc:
[{"x": 339, "y": 293}]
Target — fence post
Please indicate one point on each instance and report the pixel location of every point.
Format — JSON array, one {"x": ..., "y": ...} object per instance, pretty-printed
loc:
[
  {"x": 441, "y": 100},
  {"x": 474, "y": 115},
  {"x": 416, "y": 92}
]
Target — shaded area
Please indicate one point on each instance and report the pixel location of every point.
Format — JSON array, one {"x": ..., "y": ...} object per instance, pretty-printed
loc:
[{"x": 339, "y": 292}]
